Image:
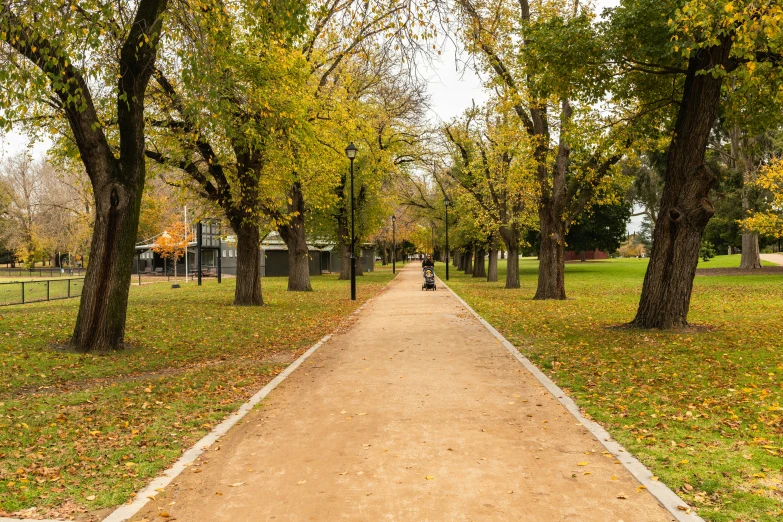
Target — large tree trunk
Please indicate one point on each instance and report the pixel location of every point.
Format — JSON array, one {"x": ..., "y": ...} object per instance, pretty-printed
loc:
[
  {"x": 685, "y": 209},
  {"x": 345, "y": 261},
  {"x": 248, "y": 281},
  {"x": 510, "y": 238},
  {"x": 551, "y": 256},
  {"x": 479, "y": 267},
  {"x": 100, "y": 324},
  {"x": 583, "y": 256},
  {"x": 751, "y": 258},
  {"x": 359, "y": 268},
  {"x": 492, "y": 269},
  {"x": 293, "y": 233},
  {"x": 384, "y": 255},
  {"x": 468, "y": 268},
  {"x": 742, "y": 157},
  {"x": 551, "y": 214}
]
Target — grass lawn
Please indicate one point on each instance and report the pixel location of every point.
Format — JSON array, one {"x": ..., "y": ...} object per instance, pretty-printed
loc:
[
  {"x": 701, "y": 408},
  {"x": 732, "y": 261},
  {"x": 82, "y": 432}
]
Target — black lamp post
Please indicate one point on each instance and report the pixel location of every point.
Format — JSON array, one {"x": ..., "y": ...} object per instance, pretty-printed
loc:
[
  {"x": 447, "y": 203},
  {"x": 351, "y": 151},
  {"x": 394, "y": 244}
]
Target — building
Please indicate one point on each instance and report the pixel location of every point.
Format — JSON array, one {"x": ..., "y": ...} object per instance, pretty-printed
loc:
[
  {"x": 274, "y": 256},
  {"x": 589, "y": 255}
]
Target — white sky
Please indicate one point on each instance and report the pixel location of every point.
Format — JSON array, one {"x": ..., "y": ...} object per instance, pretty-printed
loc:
[{"x": 453, "y": 88}]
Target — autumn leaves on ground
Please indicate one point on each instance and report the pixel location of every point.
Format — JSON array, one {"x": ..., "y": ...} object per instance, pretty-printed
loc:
[
  {"x": 701, "y": 408},
  {"x": 83, "y": 432}
]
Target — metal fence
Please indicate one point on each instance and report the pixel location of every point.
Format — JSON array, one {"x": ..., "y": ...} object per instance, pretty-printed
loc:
[
  {"x": 22, "y": 292},
  {"x": 41, "y": 272}
]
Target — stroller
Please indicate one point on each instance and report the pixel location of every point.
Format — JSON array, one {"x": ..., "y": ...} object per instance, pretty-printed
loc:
[{"x": 429, "y": 279}]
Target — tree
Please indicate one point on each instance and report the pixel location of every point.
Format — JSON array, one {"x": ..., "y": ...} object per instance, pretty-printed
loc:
[
  {"x": 60, "y": 53},
  {"x": 676, "y": 56},
  {"x": 602, "y": 227},
  {"x": 229, "y": 109},
  {"x": 491, "y": 166},
  {"x": 547, "y": 61},
  {"x": 173, "y": 242},
  {"x": 23, "y": 192}
]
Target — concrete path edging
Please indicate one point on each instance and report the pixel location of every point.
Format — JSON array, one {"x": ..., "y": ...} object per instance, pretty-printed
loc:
[
  {"x": 143, "y": 496},
  {"x": 678, "y": 508}
]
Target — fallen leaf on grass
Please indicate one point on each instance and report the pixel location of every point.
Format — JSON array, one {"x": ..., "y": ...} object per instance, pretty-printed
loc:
[{"x": 90, "y": 497}]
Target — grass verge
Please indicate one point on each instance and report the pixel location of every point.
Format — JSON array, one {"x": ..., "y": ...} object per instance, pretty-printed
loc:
[
  {"x": 83, "y": 432},
  {"x": 701, "y": 408}
]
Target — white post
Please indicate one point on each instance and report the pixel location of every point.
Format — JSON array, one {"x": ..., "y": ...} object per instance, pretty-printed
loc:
[{"x": 186, "y": 243}]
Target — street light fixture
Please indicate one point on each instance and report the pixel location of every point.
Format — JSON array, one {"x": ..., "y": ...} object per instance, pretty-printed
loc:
[
  {"x": 394, "y": 244},
  {"x": 351, "y": 151},
  {"x": 447, "y": 204}
]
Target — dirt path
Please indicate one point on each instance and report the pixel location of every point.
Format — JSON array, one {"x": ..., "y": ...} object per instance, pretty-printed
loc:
[
  {"x": 773, "y": 258},
  {"x": 416, "y": 413}
]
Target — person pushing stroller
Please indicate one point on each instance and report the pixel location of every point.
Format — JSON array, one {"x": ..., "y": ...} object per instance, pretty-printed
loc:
[{"x": 428, "y": 269}]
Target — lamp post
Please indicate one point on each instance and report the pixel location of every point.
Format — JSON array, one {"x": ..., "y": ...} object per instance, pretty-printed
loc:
[
  {"x": 447, "y": 203},
  {"x": 351, "y": 151},
  {"x": 394, "y": 244}
]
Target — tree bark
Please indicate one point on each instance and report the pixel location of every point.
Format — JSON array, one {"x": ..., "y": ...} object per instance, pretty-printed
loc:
[
  {"x": 685, "y": 209},
  {"x": 345, "y": 261},
  {"x": 479, "y": 267},
  {"x": 359, "y": 268},
  {"x": 248, "y": 281},
  {"x": 582, "y": 256},
  {"x": 293, "y": 233},
  {"x": 551, "y": 255},
  {"x": 492, "y": 269},
  {"x": 510, "y": 236},
  {"x": 468, "y": 268},
  {"x": 751, "y": 258}
]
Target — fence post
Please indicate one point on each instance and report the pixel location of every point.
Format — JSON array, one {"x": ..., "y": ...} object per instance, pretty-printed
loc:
[
  {"x": 47, "y": 289},
  {"x": 22, "y": 292},
  {"x": 69, "y": 288}
]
